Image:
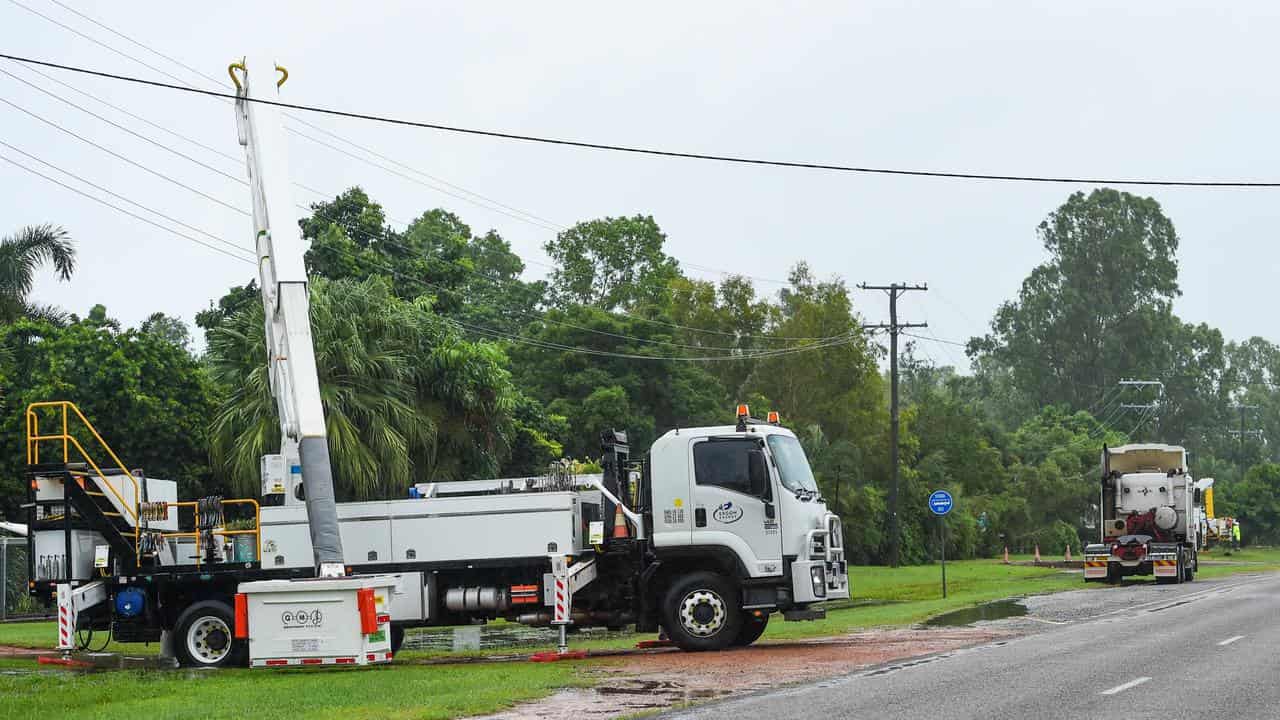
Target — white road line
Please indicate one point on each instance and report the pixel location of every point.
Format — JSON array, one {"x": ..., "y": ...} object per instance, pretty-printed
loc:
[
  {"x": 1121, "y": 688},
  {"x": 1230, "y": 640}
]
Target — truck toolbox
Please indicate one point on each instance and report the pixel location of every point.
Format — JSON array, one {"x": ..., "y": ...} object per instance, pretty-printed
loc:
[{"x": 317, "y": 621}]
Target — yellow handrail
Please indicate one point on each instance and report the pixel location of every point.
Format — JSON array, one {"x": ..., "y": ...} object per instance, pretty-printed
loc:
[
  {"x": 65, "y": 408},
  {"x": 34, "y": 438}
]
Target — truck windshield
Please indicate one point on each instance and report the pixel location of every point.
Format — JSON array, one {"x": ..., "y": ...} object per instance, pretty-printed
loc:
[{"x": 793, "y": 466}]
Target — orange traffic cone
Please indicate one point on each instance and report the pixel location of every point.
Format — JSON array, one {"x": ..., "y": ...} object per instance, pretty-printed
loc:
[
  {"x": 1068, "y": 552},
  {"x": 619, "y": 524},
  {"x": 1037, "y": 554},
  {"x": 1006, "y": 554}
]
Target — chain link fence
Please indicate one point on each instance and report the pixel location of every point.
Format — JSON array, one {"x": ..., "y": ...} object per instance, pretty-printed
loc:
[{"x": 15, "y": 602}]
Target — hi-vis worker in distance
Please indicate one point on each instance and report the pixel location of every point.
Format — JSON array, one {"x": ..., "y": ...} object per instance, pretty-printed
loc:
[{"x": 1235, "y": 535}]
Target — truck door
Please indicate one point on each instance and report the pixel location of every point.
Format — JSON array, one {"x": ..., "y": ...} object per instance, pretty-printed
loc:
[{"x": 728, "y": 511}]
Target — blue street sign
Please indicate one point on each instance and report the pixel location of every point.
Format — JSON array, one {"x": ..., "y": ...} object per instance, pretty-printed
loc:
[{"x": 940, "y": 502}]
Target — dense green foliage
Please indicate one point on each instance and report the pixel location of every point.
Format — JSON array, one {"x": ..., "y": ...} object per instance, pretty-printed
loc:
[
  {"x": 146, "y": 395},
  {"x": 439, "y": 360}
]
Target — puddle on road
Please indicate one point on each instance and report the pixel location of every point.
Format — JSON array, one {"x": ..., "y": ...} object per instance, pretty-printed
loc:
[{"x": 997, "y": 610}]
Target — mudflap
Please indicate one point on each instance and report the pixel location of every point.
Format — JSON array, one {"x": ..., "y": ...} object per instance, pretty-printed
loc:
[{"x": 809, "y": 613}]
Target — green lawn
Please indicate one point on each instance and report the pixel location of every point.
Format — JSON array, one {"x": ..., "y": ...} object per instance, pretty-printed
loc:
[
  {"x": 409, "y": 689},
  {"x": 401, "y": 691}
]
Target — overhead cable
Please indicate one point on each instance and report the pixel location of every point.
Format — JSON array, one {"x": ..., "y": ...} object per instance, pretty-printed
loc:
[{"x": 636, "y": 150}]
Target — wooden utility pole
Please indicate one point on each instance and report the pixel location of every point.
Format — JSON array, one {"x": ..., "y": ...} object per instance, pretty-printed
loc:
[
  {"x": 1242, "y": 433},
  {"x": 894, "y": 291}
]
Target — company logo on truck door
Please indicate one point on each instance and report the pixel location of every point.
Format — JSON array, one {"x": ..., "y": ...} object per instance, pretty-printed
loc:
[
  {"x": 727, "y": 513},
  {"x": 302, "y": 618}
]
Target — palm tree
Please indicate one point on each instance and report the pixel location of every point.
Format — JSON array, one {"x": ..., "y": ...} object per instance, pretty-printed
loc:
[
  {"x": 406, "y": 399},
  {"x": 21, "y": 256}
]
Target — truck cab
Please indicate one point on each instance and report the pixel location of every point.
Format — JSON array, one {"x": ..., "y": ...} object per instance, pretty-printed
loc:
[{"x": 737, "y": 509}]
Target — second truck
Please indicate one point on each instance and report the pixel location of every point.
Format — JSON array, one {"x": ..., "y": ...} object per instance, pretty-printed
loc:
[{"x": 1149, "y": 506}]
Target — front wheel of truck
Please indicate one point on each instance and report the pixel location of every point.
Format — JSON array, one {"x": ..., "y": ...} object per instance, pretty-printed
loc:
[{"x": 700, "y": 612}]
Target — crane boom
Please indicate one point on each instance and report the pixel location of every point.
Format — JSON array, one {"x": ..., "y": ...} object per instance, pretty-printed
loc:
[{"x": 282, "y": 276}]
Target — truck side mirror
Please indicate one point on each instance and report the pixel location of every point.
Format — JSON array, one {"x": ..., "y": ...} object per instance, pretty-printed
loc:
[{"x": 758, "y": 474}]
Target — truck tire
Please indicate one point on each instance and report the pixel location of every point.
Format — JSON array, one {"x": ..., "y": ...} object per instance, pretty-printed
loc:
[
  {"x": 700, "y": 612},
  {"x": 752, "y": 629},
  {"x": 203, "y": 637},
  {"x": 397, "y": 638}
]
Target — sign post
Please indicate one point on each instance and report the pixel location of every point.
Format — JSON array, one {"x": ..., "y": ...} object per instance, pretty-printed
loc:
[{"x": 940, "y": 503}]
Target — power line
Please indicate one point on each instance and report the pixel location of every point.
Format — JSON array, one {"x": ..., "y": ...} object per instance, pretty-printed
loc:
[
  {"x": 122, "y": 128},
  {"x": 538, "y": 223},
  {"x": 635, "y": 150},
  {"x": 95, "y": 41},
  {"x": 117, "y": 155},
  {"x": 100, "y": 188},
  {"x": 119, "y": 209},
  {"x": 126, "y": 38},
  {"x": 192, "y": 189},
  {"x": 475, "y": 328},
  {"x": 135, "y": 116},
  {"x": 187, "y": 157},
  {"x": 222, "y": 83},
  {"x": 934, "y": 338}
]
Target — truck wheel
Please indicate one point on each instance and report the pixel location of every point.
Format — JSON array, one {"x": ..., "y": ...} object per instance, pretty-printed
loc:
[
  {"x": 752, "y": 629},
  {"x": 1113, "y": 574},
  {"x": 397, "y": 638},
  {"x": 701, "y": 612},
  {"x": 203, "y": 636}
]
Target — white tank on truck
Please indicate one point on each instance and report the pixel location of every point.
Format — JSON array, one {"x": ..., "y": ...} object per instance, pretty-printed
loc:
[{"x": 1150, "y": 510}]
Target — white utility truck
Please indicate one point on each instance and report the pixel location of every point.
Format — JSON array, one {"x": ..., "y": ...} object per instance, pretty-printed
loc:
[
  {"x": 1149, "y": 506},
  {"x": 704, "y": 536}
]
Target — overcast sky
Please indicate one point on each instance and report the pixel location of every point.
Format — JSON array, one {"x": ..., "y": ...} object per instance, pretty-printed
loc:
[{"x": 1159, "y": 89}]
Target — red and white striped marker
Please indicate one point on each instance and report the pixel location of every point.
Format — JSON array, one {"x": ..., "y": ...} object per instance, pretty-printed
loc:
[
  {"x": 562, "y": 601},
  {"x": 66, "y": 620}
]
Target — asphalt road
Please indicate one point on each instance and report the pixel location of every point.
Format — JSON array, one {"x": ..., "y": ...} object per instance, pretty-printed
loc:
[{"x": 1210, "y": 648}]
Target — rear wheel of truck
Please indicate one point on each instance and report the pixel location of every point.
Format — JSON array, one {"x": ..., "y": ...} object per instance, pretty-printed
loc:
[
  {"x": 752, "y": 629},
  {"x": 203, "y": 637},
  {"x": 397, "y": 638},
  {"x": 700, "y": 612}
]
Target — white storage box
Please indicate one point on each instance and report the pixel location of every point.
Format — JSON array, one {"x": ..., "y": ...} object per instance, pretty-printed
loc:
[{"x": 325, "y": 621}]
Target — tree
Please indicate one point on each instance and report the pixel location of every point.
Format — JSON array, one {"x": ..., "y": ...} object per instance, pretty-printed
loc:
[
  {"x": 406, "y": 400},
  {"x": 148, "y": 398},
  {"x": 169, "y": 329},
  {"x": 1083, "y": 318},
  {"x": 475, "y": 279},
  {"x": 1256, "y": 501},
  {"x": 724, "y": 320},
  {"x": 237, "y": 298},
  {"x": 21, "y": 256},
  {"x": 826, "y": 375},
  {"x": 611, "y": 263},
  {"x": 601, "y": 371}
]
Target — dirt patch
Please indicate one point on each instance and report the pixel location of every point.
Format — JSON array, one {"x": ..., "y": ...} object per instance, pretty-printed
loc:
[{"x": 668, "y": 678}]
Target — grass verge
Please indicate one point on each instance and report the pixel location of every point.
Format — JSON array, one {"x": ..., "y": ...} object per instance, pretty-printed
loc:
[{"x": 399, "y": 691}]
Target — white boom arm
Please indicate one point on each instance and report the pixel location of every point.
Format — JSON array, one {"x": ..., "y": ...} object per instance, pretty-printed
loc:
[{"x": 283, "y": 278}]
